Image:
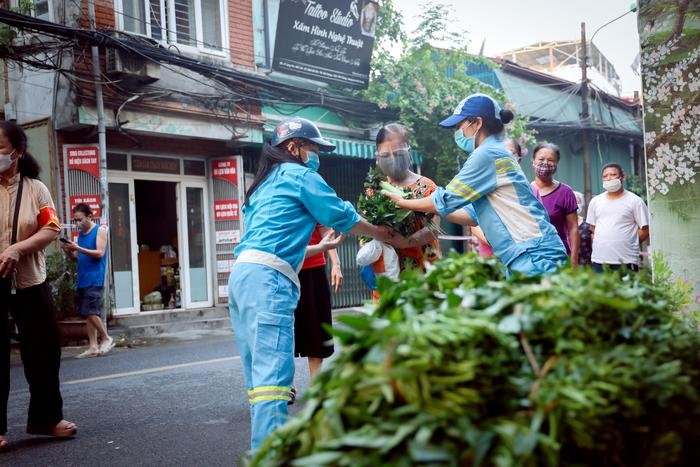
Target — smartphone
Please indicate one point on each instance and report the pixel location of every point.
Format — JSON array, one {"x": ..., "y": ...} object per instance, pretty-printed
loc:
[{"x": 63, "y": 240}]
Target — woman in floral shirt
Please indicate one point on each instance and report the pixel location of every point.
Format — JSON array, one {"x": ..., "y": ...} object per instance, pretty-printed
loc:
[{"x": 394, "y": 160}]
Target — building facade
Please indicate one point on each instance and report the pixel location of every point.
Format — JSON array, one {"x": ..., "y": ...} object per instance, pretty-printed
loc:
[{"x": 189, "y": 99}]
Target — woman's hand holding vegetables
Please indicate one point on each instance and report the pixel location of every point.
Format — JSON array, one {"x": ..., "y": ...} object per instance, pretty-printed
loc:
[
  {"x": 384, "y": 233},
  {"x": 396, "y": 195},
  {"x": 401, "y": 242}
]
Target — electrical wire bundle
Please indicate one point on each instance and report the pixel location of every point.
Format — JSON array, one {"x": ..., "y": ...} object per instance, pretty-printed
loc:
[{"x": 228, "y": 82}]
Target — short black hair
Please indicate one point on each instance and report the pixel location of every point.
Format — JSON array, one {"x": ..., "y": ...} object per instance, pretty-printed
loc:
[
  {"x": 392, "y": 129},
  {"x": 551, "y": 146},
  {"x": 84, "y": 208},
  {"x": 516, "y": 145},
  {"x": 613, "y": 165}
]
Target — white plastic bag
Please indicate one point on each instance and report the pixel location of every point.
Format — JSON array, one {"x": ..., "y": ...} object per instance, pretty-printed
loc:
[{"x": 370, "y": 253}]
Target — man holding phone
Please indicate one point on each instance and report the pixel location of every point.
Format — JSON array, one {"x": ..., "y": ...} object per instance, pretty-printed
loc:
[{"x": 91, "y": 254}]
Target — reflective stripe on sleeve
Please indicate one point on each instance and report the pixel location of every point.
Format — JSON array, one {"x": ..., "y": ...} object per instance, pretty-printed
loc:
[{"x": 463, "y": 190}]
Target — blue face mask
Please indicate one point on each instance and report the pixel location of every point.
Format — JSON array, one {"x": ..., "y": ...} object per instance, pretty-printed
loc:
[
  {"x": 465, "y": 143},
  {"x": 313, "y": 162}
]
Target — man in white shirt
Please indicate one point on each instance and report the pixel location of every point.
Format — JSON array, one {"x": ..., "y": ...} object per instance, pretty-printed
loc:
[{"x": 619, "y": 221}]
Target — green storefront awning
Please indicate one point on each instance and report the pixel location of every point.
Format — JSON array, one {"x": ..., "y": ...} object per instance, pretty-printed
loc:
[
  {"x": 352, "y": 148},
  {"x": 363, "y": 150}
]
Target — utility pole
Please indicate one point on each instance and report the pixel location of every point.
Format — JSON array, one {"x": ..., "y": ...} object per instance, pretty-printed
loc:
[
  {"x": 585, "y": 116},
  {"x": 102, "y": 145}
]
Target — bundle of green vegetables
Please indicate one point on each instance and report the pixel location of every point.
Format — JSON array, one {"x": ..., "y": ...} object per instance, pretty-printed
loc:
[
  {"x": 378, "y": 209},
  {"x": 459, "y": 366}
]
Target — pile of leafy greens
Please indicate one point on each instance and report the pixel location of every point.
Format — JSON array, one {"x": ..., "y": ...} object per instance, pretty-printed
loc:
[
  {"x": 459, "y": 366},
  {"x": 378, "y": 209}
]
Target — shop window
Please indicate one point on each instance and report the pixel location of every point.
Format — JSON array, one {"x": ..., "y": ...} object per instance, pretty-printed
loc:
[
  {"x": 116, "y": 161},
  {"x": 199, "y": 24},
  {"x": 37, "y": 8},
  {"x": 194, "y": 168},
  {"x": 265, "y": 14},
  {"x": 41, "y": 9}
]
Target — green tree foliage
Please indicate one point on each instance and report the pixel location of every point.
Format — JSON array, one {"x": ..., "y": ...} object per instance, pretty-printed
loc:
[
  {"x": 62, "y": 274},
  {"x": 8, "y": 33},
  {"x": 425, "y": 83}
]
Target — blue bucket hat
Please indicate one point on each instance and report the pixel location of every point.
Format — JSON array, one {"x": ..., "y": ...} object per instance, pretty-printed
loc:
[{"x": 476, "y": 105}]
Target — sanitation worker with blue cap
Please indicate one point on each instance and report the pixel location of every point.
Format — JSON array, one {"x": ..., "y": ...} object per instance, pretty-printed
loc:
[
  {"x": 283, "y": 205},
  {"x": 493, "y": 190}
]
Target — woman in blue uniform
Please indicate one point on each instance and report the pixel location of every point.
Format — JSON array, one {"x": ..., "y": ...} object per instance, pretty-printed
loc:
[
  {"x": 283, "y": 205},
  {"x": 493, "y": 189}
]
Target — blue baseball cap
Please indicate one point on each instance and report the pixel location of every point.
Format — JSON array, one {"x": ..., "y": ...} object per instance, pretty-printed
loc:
[
  {"x": 298, "y": 127},
  {"x": 476, "y": 105}
]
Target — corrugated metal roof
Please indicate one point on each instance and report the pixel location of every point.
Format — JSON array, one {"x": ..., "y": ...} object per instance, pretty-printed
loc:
[{"x": 560, "y": 103}]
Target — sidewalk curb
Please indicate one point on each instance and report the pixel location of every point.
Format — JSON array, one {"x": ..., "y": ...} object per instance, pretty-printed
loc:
[{"x": 118, "y": 333}]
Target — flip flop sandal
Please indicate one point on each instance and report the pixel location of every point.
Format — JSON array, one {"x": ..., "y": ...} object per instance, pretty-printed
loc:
[
  {"x": 51, "y": 430},
  {"x": 87, "y": 354},
  {"x": 106, "y": 347}
]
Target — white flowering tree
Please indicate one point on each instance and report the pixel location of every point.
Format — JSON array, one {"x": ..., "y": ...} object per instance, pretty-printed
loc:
[{"x": 670, "y": 62}]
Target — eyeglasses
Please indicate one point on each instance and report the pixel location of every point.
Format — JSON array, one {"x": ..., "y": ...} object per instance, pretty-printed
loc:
[{"x": 393, "y": 153}]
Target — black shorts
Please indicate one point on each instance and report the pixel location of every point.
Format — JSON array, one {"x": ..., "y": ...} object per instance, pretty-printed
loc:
[
  {"x": 313, "y": 310},
  {"x": 90, "y": 301}
]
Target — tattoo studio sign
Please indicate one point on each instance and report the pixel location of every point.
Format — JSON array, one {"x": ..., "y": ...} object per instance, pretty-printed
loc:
[{"x": 326, "y": 40}]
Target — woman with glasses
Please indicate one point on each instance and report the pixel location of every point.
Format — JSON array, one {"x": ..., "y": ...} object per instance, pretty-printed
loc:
[{"x": 394, "y": 160}]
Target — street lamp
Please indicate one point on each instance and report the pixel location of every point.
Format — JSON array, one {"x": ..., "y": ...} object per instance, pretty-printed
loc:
[
  {"x": 632, "y": 9},
  {"x": 585, "y": 116}
]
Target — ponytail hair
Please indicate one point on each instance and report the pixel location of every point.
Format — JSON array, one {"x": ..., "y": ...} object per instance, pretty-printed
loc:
[
  {"x": 494, "y": 125},
  {"x": 270, "y": 157},
  {"x": 506, "y": 116},
  {"x": 27, "y": 166}
]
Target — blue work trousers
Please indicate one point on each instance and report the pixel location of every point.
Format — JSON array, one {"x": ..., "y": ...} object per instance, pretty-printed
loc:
[{"x": 261, "y": 304}]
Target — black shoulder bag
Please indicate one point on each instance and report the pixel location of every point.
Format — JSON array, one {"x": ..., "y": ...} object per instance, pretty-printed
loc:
[{"x": 15, "y": 220}]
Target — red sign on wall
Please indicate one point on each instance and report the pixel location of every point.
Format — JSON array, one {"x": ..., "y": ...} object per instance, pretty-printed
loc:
[
  {"x": 226, "y": 210},
  {"x": 225, "y": 170},
  {"x": 91, "y": 200},
  {"x": 85, "y": 158}
]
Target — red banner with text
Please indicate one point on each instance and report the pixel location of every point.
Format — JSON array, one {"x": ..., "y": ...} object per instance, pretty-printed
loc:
[
  {"x": 226, "y": 210},
  {"x": 93, "y": 201},
  {"x": 85, "y": 158},
  {"x": 225, "y": 169}
]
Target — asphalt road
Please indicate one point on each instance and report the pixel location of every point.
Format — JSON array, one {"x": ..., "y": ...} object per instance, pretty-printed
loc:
[{"x": 174, "y": 404}]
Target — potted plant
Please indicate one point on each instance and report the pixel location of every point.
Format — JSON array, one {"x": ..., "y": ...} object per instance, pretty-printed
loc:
[{"x": 61, "y": 274}]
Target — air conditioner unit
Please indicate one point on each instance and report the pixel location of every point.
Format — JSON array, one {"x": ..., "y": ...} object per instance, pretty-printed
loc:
[{"x": 128, "y": 66}]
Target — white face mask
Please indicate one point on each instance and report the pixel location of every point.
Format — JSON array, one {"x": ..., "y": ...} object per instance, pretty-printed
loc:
[
  {"x": 6, "y": 161},
  {"x": 612, "y": 186}
]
